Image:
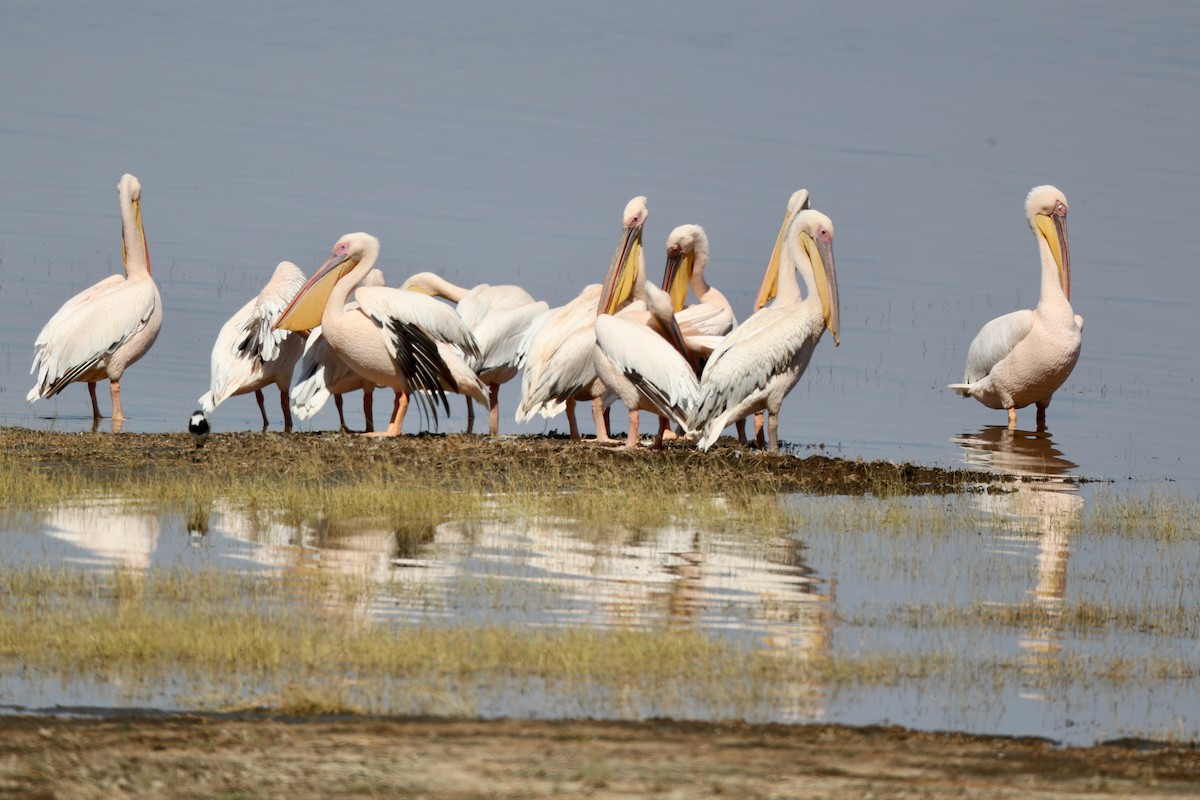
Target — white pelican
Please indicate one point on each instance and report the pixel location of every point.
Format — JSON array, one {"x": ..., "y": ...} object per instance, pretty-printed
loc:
[
  {"x": 498, "y": 316},
  {"x": 556, "y": 355},
  {"x": 322, "y": 372},
  {"x": 767, "y": 290},
  {"x": 391, "y": 338},
  {"x": 99, "y": 332},
  {"x": 560, "y": 352},
  {"x": 705, "y": 322},
  {"x": 250, "y": 355},
  {"x": 641, "y": 356},
  {"x": 1023, "y": 357},
  {"x": 762, "y": 359}
]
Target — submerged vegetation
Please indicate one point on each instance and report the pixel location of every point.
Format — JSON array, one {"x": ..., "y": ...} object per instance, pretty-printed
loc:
[{"x": 294, "y": 642}]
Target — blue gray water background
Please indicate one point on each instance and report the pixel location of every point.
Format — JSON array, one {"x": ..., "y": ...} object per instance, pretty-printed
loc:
[{"x": 500, "y": 143}]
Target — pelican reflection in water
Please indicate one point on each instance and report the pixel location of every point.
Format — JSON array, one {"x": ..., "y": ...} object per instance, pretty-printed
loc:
[{"x": 1044, "y": 503}]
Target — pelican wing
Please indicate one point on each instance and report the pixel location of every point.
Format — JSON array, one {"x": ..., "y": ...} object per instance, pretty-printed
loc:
[
  {"x": 499, "y": 335},
  {"x": 995, "y": 341},
  {"x": 88, "y": 329},
  {"x": 464, "y": 381},
  {"x": 311, "y": 380},
  {"x": 485, "y": 300},
  {"x": 547, "y": 334},
  {"x": 651, "y": 364},
  {"x": 438, "y": 321},
  {"x": 256, "y": 340},
  {"x": 569, "y": 370},
  {"x": 705, "y": 319},
  {"x": 415, "y": 323},
  {"x": 773, "y": 346}
]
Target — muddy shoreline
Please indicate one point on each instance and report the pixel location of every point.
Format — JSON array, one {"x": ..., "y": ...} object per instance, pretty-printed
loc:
[
  {"x": 512, "y": 463},
  {"x": 183, "y": 756}
]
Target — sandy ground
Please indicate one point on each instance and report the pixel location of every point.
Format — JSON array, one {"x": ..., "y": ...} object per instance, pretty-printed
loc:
[{"x": 189, "y": 757}]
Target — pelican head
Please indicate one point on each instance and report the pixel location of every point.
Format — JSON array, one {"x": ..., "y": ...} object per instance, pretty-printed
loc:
[
  {"x": 813, "y": 232},
  {"x": 625, "y": 267},
  {"x": 305, "y": 310},
  {"x": 129, "y": 189},
  {"x": 770, "y": 285},
  {"x": 1046, "y": 211},
  {"x": 687, "y": 247}
]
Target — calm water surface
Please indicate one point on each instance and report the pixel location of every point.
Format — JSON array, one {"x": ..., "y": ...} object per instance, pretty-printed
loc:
[{"x": 493, "y": 144}]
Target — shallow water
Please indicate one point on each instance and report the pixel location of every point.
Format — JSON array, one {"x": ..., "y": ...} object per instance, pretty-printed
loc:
[
  {"x": 889, "y": 590},
  {"x": 496, "y": 145},
  {"x": 500, "y": 145}
]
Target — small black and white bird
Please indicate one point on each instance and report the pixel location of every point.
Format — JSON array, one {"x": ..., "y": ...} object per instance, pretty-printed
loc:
[{"x": 198, "y": 427}]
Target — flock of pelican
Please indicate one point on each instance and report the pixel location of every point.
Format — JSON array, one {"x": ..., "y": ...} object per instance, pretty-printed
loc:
[{"x": 626, "y": 339}]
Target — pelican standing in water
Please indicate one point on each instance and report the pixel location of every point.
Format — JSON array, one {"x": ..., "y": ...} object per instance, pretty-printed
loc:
[
  {"x": 99, "y": 332},
  {"x": 762, "y": 359},
  {"x": 391, "y": 338},
  {"x": 498, "y": 317},
  {"x": 250, "y": 355},
  {"x": 1023, "y": 357}
]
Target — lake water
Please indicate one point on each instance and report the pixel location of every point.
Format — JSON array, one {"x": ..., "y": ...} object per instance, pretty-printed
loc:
[{"x": 498, "y": 144}]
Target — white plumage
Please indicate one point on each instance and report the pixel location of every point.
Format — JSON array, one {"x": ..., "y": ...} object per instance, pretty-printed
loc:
[
  {"x": 644, "y": 370},
  {"x": 705, "y": 322},
  {"x": 1023, "y": 357},
  {"x": 99, "y": 332},
  {"x": 322, "y": 372},
  {"x": 757, "y": 364},
  {"x": 391, "y": 337},
  {"x": 250, "y": 354},
  {"x": 498, "y": 317}
]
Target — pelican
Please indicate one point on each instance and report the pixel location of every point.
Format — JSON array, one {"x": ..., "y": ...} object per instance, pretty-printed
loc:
[
  {"x": 705, "y": 322},
  {"x": 322, "y": 372},
  {"x": 99, "y": 332},
  {"x": 762, "y": 359},
  {"x": 641, "y": 355},
  {"x": 250, "y": 355},
  {"x": 391, "y": 338},
  {"x": 498, "y": 316},
  {"x": 768, "y": 289},
  {"x": 1023, "y": 357},
  {"x": 560, "y": 353},
  {"x": 556, "y": 355}
]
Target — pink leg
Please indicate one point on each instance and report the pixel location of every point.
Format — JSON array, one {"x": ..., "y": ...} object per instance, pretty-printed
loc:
[
  {"x": 631, "y": 439},
  {"x": 114, "y": 389},
  {"x": 399, "y": 409},
  {"x": 494, "y": 409},
  {"x": 600, "y": 421}
]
